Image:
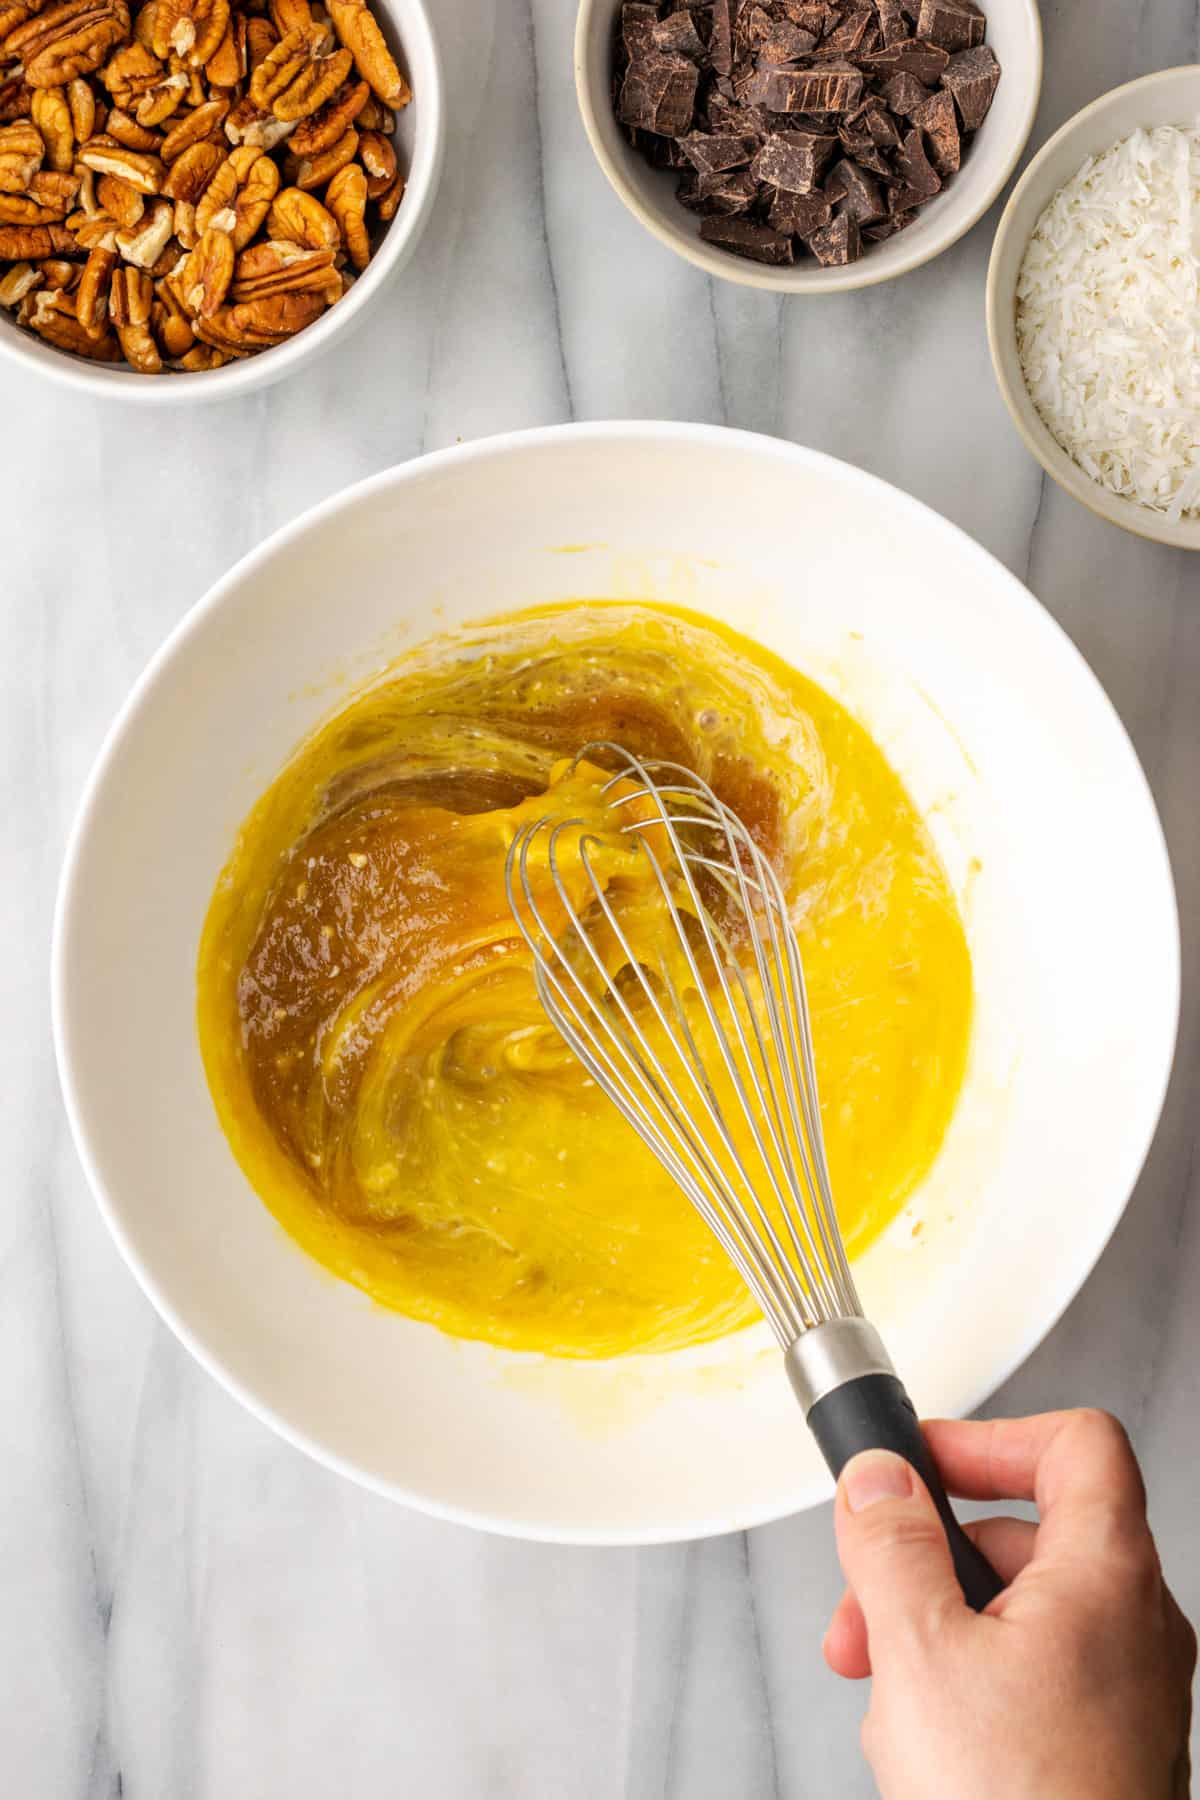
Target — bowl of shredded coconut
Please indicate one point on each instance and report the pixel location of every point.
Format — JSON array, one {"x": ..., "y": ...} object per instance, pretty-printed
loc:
[{"x": 1093, "y": 306}]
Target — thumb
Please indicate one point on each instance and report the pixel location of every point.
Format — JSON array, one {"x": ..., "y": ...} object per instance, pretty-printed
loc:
[{"x": 893, "y": 1551}]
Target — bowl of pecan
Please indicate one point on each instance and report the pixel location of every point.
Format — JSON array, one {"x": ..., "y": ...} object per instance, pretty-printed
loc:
[
  {"x": 209, "y": 191},
  {"x": 808, "y": 146}
]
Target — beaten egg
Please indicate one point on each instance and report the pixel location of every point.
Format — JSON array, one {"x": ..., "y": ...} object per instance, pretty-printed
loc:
[{"x": 376, "y": 1051}]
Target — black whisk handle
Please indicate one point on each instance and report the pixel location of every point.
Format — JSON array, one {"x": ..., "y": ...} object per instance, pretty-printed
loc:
[{"x": 874, "y": 1412}]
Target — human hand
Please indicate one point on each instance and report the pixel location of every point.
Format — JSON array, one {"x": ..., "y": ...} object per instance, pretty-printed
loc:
[{"x": 1075, "y": 1684}]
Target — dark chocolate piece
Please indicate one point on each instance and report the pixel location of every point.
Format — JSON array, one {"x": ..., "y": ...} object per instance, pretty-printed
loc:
[
  {"x": 938, "y": 121},
  {"x": 720, "y": 43},
  {"x": 915, "y": 168},
  {"x": 710, "y": 152},
  {"x": 719, "y": 195},
  {"x": 828, "y": 90},
  {"x": 926, "y": 61},
  {"x": 746, "y": 237},
  {"x": 793, "y": 160},
  {"x": 786, "y": 42},
  {"x": 954, "y": 24},
  {"x": 659, "y": 94},
  {"x": 808, "y": 14},
  {"x": 799, "y": 215},
  {"x": 678, "y": 35},
  {"x": 858, "y": 193},
  {"x": 848, "y": 34},
  {"x": 892, "y": 22},
  {"x": 860, "y": 148},
  {"x": 837, "y": 244},
  {"x": 879, "y": 124},
  {"x": 972, "y": 77},
  {"x": 904, "y": 94},
  {"x": 638, "y": 19}
]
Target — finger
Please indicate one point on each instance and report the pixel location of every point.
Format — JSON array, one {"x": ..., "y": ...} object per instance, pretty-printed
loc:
[
  {"x": 1073, "y": 1464},
  {"x": 894, "y": 1553},
  {"x": 1008, "y": 1545},
  {"x": 845, "y": 1647}
]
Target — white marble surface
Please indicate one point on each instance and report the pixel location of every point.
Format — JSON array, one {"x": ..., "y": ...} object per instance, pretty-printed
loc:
[{"x": 192, "y": 1609}]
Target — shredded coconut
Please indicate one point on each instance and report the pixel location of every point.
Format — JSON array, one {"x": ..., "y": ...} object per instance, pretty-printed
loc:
[{"x": 1108, "y": 318}]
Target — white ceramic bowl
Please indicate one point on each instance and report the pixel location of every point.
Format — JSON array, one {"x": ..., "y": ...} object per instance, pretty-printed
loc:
[
  {"x": 1006, "y": 741},
  {"x": 420, "y": 140},
  {"x": 1169, "y": 98},
  {"x": 1015, "y": 34}
]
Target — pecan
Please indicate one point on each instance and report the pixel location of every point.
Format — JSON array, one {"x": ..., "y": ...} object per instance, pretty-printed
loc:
[
  {"x": 261, "y": 39},
  {"x": 227, "y": 65},
  {"x": 259, "y": 323},
  {"x": 107, "y": 157},
  {"x": 16, "y": 98},
  {"x": 20, "y": 243},
  {"x": 130, "y": 306},
  {"x": 346, "y": 198},
  {"x": 247, "y": 125},
  {"x": 282, "y": 268},
  {"x": 199, "y": 125},
  {"x": 80, "y": 45},
  {"x": 243, "y": 188},
  {"x": 190, "y": 174},
  {"x": 322, "y": 129},
  {"x": 82, "y": 103},
  {"x": 21, "y": 154},
  {"x": 301, "y": 219},
  {"x": 377, "y": 117},
  {"x": 23, "y": 209},
  {"x": 91, "y": 299},
  {"x": 60, "y": 274},
  {"x": 156, "y": 106},
  {"x": 52, "y": 116},
  {"x": 299, "y": 74},
  {"x": 377, "y": 155},
  {"x": 51, "y": 314},
  {"x": 125, "y": 128},
  {"x": 359, "y": 31},
  {"x": 53, "y": 191},
  {"x": 131, "y": 72},
  {"x": 204, "y": 279},
  {"x": 121, "y": 200},
  {"x": 191, "y": 28},
  {"x": 145, "y": 242},
  {"x": 95, "y": 232},
  {"x": 14, "y": 14},
  {"x": 203, "y": 356},
  {"x": 143, "y": 24},
  {"x": 290, "y": 15},
  {"x": 171, "y": 325},
  {"x": 315, "y": 171},
  {"x": 18, "y": 281},
  {"x": 387, "y": 204},
  {"x": 185, "y": 225}
]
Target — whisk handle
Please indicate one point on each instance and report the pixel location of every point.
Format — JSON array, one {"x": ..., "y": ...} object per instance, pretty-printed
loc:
[{"x": 874, "y": 1412}]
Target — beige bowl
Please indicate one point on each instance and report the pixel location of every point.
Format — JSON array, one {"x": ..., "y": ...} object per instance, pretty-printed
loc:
[
  {"x": 1169, "y": 98},
  {"x": 1014, "y": 32}
]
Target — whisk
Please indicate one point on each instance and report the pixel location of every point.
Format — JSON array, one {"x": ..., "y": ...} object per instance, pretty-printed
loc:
[{"x": 699, "y": 1032}]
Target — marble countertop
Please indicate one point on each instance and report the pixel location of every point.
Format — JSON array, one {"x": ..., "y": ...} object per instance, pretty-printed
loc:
[{"x": 193, "y": 1609}]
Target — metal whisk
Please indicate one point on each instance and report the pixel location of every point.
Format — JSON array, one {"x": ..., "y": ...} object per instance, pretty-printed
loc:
[{"x": 699, "y": 1032}]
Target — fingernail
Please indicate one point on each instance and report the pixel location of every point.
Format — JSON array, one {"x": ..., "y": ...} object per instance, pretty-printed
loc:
[{"x": 875, "y": 1475}]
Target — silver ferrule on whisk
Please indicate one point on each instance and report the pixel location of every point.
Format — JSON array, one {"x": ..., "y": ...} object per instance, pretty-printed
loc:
[{"x": 829, "y": 1355}]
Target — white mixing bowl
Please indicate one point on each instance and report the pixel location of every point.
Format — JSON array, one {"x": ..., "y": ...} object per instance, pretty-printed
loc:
[{"x": 1007, "y": 742}]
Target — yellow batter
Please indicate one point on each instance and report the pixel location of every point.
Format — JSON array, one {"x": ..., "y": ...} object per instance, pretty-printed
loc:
[{"x": 374, "y": 1046}]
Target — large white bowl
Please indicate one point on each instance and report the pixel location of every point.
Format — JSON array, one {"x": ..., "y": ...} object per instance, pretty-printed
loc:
[
  {"x": 1006, "y": 740},
  {"x": 1171, "y": 97},
  {"x": 420, "y": 139},
  {"x": 1015, "y": 34}
]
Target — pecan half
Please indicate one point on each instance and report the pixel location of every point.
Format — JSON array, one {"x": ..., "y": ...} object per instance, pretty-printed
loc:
[
  {"x": 375, "y": 116},
  {"x": 359, "y": 31},
  {"x": 21, "y": 154},
  {"x": 290, "y": 15},
  {"x": 125, "y": 128},
  {"x": 243, "y": 187},
  {"x": 322, "y": 129},
  {"x": 80, "y": 44},
  {"x": 16, "y": 98},
  {"x": 157, "y": 105},
  {"x": 377, "y": 155},
  {"x": 95, "y": 232},
  {"x": 171, "y": 325},
  {"x": 121, "y": 200},
  {"x": 60, "y": 274},
  {"x": 204, "y": 279},
  {"x": 53, "y": 191},
  {"x": 346, "y": 198},
  {"x": 82, "y": 103},
  {"x": 190, "y": 174},
  {"x": 261, "y": 39},
  {"x": 91, "y": 297},
  {"x": 52, "y": 117},
  {"x": 283, "y": 268},
  {"x": 131, "y": 72},
  {"x": 146, "y": 241},
  {"x": 299, "y": 74},
  {"x": 21, "y": 243},
  {"x": 51, "y": 314},
  {"x": 23, "y": 209},
  {"x": 273, "y": 318},
  {"x": 246, "y": 124},
  {"x": 202, "y": 357},
  {"x": 193, "y": 29},
  {"x": 18, "y": 281},
  {"x": 315, "y": 171},
  {"x": 107, "y": 157},
  {"x": 388, "y": 203},
  {"x": 130, "y": 304},
  {"x": 299, "y": 218},
  {"x": 200, "y": 124},
  {"x": 227, "y": 66}
]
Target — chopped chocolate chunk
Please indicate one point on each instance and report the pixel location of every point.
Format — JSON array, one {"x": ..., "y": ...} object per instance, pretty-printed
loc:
[
  {"x": 904, "y": 94},
  {"x": 925, "y": 61},
  {"x": 827, "y": 90},
  {"x": 736, "y": 191},
  {"x": 799, "y": 215},
  {"x": 837, "y": 244},
  {"x": 660, "y": 152},
  {"x": 878, "y": 124},
  {"x": 915, "y": 168},
  {"x": 954, "y": 24},
  {"x": 710, "y": 152},
  {"x": 746, "y": 237},
  {"x": 720, "y": 43},
  {"x": 848, "y": 34},
  {"x": 938, "y": 121},
  {"x": 793, "y": 160},
  {"x": 888, "y": 227},
  {"x": 638, "y": 19},
  {"x": 860, "y": 148},
  {"x": 678, "y": 34},
  {"x": 808, "y": 14},
  {"x": 892, "y": 22},
  {"x": 659, "y": 94},
  {"x": 972, "y": 77},
  {"x": 750, "y": 26},
  {"x": 858, "y": 193},
  {"x": 786, "y": 42}
]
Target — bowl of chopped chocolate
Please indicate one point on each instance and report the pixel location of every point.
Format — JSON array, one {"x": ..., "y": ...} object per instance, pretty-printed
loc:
[
  {"x": 210, "y": 191},
  {"x": 808, "y": 146}
]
